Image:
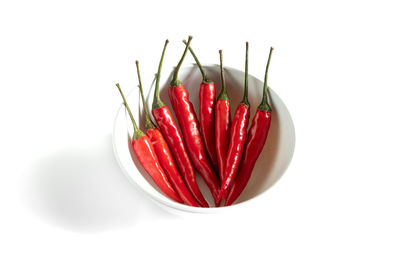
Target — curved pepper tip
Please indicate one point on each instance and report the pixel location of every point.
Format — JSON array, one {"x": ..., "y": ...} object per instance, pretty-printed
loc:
[{"x": 222, "y": 194}]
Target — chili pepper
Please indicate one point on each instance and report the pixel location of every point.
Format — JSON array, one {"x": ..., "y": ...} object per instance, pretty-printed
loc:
[
  {"x": 163, "y": 152},
  {"x": 168, "y": 127},
  {"x": 222, "y": 123},
  {"x": 147, "y": 157},
  {"x": 238, "y": 135},
  {"x": 189, "y": 124},
  {"x": 257, "y": 136},
  {"x": 207, "y": 112}
]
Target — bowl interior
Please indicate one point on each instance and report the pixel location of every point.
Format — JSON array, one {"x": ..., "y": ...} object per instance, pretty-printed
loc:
[{"x": 273, "y": 160}]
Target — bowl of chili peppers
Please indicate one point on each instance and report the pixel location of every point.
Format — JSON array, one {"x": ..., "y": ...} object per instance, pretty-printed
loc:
[{"x": 209, "y": 136}]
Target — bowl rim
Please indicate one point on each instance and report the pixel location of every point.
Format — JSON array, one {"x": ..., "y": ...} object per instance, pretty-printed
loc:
[{"x": 158, "y": 197}]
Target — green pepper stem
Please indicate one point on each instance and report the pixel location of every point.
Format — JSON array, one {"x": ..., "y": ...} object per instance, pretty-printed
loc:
[
  {"x": 245, "y": 99},
  {"x": 264, "y": 103},
  {"x": 175, "y": 81},
  {"x": 203, "y": 73},
  {"x": 137, "y": 133},
  {"x": 157, "y": 103},
  {"x": 148, "y": 123},
  {"x": 223, "y": 95}
]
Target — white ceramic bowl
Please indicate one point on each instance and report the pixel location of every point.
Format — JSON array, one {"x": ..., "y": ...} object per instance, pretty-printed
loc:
[{"x": 270, "y": 166}]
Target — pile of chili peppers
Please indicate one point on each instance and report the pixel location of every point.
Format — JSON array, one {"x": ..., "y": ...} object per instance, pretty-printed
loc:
[{"x": 219, "y": 148}]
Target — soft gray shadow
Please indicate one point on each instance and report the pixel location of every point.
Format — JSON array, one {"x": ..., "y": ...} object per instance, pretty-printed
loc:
[{"x": 83, "y": 189}]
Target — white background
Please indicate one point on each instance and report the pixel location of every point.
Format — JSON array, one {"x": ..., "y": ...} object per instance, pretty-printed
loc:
[{"x": 64, "y": 200}]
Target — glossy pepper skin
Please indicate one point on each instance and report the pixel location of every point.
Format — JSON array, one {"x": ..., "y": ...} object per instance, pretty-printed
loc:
[
  {"x": 236, "y": 144},
  {"x": 174, "y": 139},
  {"x": 189, "y": 125},
  {"x": 164, "y": 153},
  {"x": 190, "y": 129},
  {"x": 170, "y": 131},
  {"x": 207, "y": 119},
  {"x": 147, "y": 157},
  {"x": 255, "y": 142},
  {"x": 238, "y": 136},
  {"x": 256, "y": 139},
  {"x": 207, "y": 96},
  {"x": 222, "y": 124},
  {"x": 168, "y": 165}
]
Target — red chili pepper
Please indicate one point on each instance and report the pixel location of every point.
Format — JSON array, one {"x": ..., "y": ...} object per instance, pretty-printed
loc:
[
  {"x": 147, "y": 157},
  {"x": 238, "y": 136},
  {"x": 257, "y": 136},
  {"x": 222, "y": 123},
  {"x": 163, "y": 153},
  {"x": 168, "y": 127},
  {"x": 207, "y": 112},
  {"x": 189, "y": 124}
]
